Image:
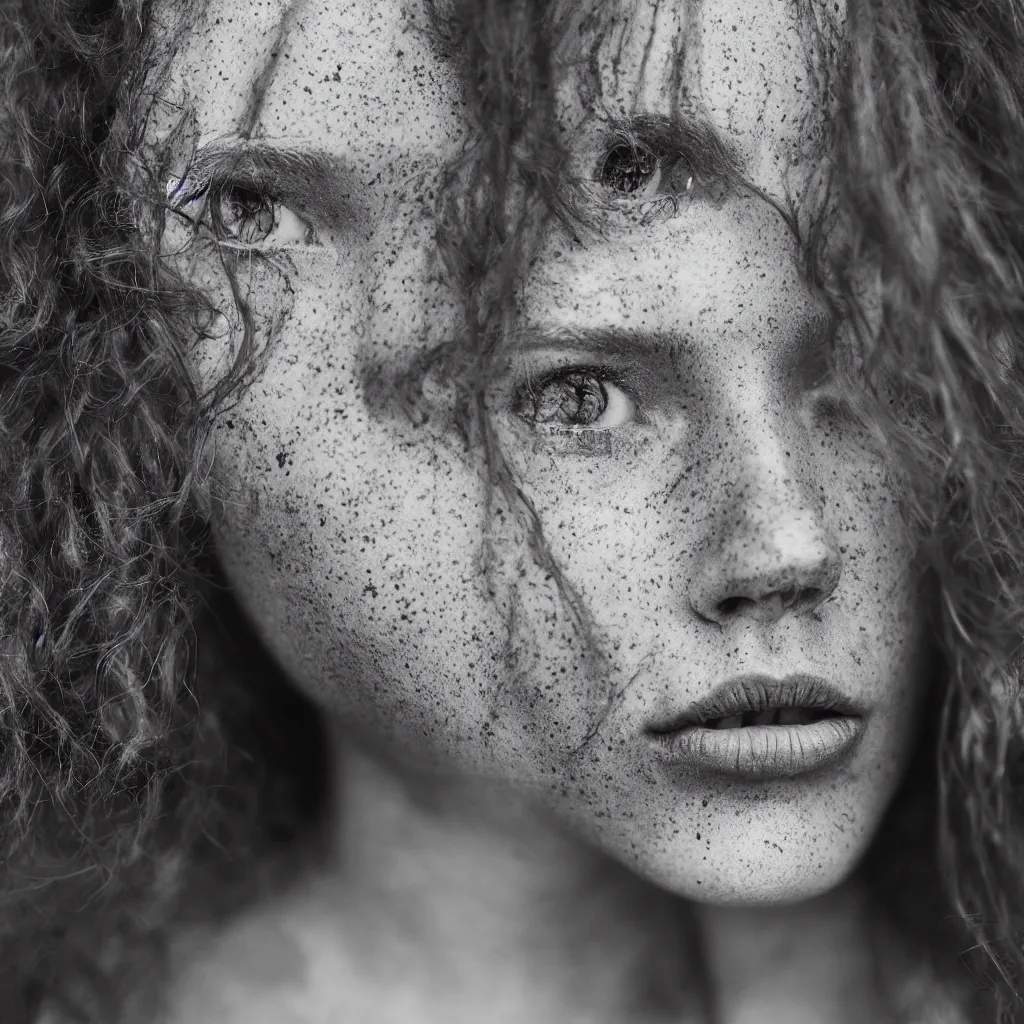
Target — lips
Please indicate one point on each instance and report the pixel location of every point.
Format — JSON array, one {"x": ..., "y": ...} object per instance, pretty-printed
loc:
[
  {"x": 758, "y": 728},
  {"x": 770, "y": 716}
]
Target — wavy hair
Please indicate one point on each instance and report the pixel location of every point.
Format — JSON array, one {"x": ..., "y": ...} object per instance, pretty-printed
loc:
[{"x": 135, "y": 765}]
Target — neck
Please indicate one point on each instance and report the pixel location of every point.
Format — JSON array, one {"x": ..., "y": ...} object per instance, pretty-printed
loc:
[
  {"x": 485, "y": 907},
  {"x": 466, "y": 883},
  {"x": 802, "y": 963}
]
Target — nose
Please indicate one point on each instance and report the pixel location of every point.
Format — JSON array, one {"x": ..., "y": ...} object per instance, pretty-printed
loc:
[{"x": 766, "y": 553}]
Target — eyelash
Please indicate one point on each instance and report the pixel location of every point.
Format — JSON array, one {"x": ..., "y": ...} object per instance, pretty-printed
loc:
[
  {"x": 637, "y": 166},
  {"x": 574, "y": 440},
  {"x": 676, "y": 179},
  {"x": 213, "y": 193}
]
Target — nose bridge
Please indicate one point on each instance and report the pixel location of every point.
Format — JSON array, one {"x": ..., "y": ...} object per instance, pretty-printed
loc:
[{"x": 765, "y": 550}]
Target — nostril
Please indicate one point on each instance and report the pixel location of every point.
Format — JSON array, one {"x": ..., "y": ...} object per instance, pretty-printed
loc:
[
  {"x": 762, "y": 568},
  {"x": 732, "y": 606},
  {"x": 771, "y": 606}
]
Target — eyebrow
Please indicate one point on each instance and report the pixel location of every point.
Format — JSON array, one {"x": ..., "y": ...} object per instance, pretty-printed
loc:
[
  {"x": 625, "y": 344},
  {"x": 263, "y": 164},
  {"x": 314, "y": 178},
  {"x": 614, "y": 342}
]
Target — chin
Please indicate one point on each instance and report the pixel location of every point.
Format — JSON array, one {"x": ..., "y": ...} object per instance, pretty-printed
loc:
[
  {"x": 780, "y": 856},
  {"x": 795, "y": 886}
]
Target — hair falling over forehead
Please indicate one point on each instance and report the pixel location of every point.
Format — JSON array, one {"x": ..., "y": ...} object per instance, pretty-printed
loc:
[{"x": 116, "y": 785}]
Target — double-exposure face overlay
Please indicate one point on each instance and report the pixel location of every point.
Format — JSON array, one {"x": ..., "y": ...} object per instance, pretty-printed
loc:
[{"x": 743, "y": 713}]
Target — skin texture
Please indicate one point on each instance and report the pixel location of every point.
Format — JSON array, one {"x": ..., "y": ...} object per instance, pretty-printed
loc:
[{"x": 486, "y": 761}]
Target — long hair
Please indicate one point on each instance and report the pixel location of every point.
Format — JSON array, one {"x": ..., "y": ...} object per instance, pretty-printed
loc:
[{"x": 135, "y": 766}]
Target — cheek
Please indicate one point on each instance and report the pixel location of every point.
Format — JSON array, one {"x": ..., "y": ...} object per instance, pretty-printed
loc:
[
  {"x": 356, "y": 540},
  {"x": 629, "y": 534},
  {"x": 884, "y": 596},
  {"x": 366, "y": 571}
]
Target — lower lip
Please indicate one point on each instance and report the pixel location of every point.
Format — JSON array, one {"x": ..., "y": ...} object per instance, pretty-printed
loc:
[{"x": 760, "y": 752}]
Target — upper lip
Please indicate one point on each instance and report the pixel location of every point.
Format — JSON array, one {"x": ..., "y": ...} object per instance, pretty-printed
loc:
[{"x": 755, "y": 693}]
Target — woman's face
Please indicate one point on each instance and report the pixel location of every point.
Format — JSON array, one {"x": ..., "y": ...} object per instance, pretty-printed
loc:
[{"x": 718, "y": 519}]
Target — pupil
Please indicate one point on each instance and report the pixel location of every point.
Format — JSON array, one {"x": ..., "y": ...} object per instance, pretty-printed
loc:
[
  {"x": 251, "y": 213},
  {"x": 626, "y": 168},
  {"x": 576, "y": 399}
]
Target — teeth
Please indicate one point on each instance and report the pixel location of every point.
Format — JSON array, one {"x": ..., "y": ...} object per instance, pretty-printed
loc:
[{"x": 768, "y": 717}]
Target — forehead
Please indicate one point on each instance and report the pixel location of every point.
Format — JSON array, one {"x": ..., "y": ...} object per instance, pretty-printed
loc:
[
  {"x": 354, "y": 75},
  {"x": 303, "y": 68},
  {"x": 755, "y": 69}
]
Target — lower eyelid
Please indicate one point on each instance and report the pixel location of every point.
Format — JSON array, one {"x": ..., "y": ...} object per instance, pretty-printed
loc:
[
  {"x": 619, "y": 444},
  {"x": 575, "y": 442}
]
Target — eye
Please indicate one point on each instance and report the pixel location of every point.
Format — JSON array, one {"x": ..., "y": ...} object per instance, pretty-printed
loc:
[
  {"x": 575, "y": 400},
  {"x": 628, "y": 170},
  {"x": 239, "y": 215}
]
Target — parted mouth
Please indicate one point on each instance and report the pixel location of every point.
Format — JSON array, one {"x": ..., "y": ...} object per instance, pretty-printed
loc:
[
  {"x": 755, "y": 729},
  {"x": 770, "y": 716},
  {"x": 759, "y": 700}
]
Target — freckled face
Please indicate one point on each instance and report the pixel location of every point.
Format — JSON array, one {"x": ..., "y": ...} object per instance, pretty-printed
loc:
[{"x": 716, "y": 517}]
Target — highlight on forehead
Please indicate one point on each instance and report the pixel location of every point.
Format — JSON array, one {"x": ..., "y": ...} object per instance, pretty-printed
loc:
[
  {"x": 652, "y": 56},
  {"x": 635, "y": 52},
  {"x": 192, "y": 41},
  {"x": 287, "y": 10},
  {"x": 224, "y": 55}
]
